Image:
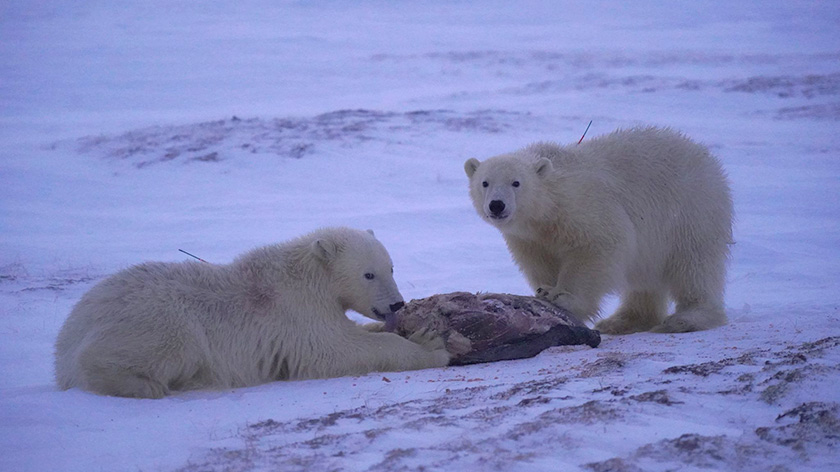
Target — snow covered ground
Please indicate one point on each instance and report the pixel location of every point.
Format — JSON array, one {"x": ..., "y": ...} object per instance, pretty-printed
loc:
[{"x": 129, "y": 131}]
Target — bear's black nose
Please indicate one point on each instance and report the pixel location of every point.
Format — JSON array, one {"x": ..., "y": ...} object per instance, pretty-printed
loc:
[
  {"x": 497, "y": 207},
  {"x": 396, "y": 306}
]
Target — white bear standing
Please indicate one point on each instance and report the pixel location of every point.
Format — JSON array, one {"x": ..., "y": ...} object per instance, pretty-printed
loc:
[
  {"x": 643, "y": 212},
  {"x": 275, "y": 313}
]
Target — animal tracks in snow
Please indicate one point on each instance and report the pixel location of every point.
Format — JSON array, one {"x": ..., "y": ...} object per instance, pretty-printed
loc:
[
  {"x": 292, "y": 138},
  {"x": 511, "y": 425}
]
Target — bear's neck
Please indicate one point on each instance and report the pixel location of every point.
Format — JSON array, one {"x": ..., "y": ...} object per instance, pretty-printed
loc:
[
  {"x": 283, "y": 268},
  {"x": 545, "y": 230}
]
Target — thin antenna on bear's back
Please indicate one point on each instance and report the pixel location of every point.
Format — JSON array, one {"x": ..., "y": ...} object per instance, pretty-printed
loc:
[
  {"x": 585, "y": 131},
  {"x": 191, "y": 255}
]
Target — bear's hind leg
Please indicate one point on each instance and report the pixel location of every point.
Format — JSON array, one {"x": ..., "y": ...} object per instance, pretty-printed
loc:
[
  {"x": 136, "y": 371},
  {"x": 108, "y": 378},
  {"x": 639, "y": 311},
  {"x": 698, "y": 292},
  {"x": 692, "y": 317}
]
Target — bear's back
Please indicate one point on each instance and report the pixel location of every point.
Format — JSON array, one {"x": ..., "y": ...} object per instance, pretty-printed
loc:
[
  {"x": 645, "y": 164},
  {"x": 660, "y": 155},
  {"x": 150, "y": 289}
]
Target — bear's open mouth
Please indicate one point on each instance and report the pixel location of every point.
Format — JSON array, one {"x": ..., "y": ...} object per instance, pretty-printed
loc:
[
  {"x": 381, "y": 316},
  {"x": 390, "y": 319}
]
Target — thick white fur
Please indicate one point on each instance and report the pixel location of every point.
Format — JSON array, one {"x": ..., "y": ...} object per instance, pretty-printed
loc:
[
  {"x": 645, "y": 212},
  {"x": 276, "y": 313}
]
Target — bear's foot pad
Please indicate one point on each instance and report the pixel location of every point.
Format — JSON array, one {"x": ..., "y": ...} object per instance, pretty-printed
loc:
[{"x": 489, "y": 327}]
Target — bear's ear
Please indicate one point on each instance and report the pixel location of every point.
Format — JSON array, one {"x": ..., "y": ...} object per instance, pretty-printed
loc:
[
  {"x": 371, "y": 232},
  {"x": 324, "y": 249},
  {"x": 471, "y": 165},
  {"x": 543, "y": 167}
]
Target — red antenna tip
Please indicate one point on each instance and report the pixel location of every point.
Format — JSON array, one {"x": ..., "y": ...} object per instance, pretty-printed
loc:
[{"x": 585, "y": 131}]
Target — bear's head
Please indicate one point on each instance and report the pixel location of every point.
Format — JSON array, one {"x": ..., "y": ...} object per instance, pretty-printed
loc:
[
  {"x": 361, "y": 272},
  {"x": 502, "y": 184}
]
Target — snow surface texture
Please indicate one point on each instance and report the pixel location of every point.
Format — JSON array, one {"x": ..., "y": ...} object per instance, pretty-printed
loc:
[{"x": 128, "y": 131}]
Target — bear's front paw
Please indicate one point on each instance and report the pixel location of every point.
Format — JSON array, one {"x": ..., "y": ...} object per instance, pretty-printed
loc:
[
  {"x": 375, "y": 327},
  {"x": 458, "y": 344},
  {"x": 551, "y": 295},
  {"x": 569, "y": 302},
  {"x": 617, "y": 324},
  {"x": 434, "y": 344},
  {"x": 428, "y": 338},
  {"x": 555, "y": 296}
]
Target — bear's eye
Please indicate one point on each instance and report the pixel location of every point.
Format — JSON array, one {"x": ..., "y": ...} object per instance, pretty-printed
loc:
[
  {"x": 369, "y": 276},
  {"x": 484, "y": 184},
  {"x": 515, "y": 183}
]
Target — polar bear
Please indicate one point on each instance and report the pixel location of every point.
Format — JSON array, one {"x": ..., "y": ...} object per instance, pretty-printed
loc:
[
  {"x": 275, "y": 313},
  {"x": 645, "y": 213}
]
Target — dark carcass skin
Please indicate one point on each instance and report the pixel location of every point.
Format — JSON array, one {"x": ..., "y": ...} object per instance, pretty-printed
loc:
[{"x": 489, "y": 327}]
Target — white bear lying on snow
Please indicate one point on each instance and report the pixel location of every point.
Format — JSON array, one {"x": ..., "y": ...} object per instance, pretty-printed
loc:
[
  {"x": 644, "y": 212},
  {"x": 275, "y": 313}
]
